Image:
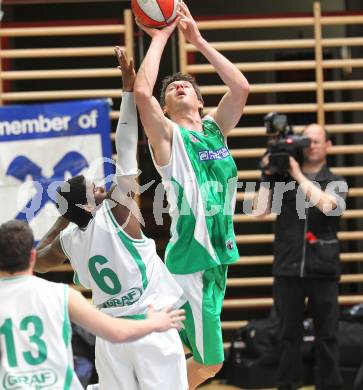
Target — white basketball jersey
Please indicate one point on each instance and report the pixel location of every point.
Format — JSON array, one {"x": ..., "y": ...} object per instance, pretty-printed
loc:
[
  {"x": 125, "y": 274},
  {"x": 35, "y": 335}
]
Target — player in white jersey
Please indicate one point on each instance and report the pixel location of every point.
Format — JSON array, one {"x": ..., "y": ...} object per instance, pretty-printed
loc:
[
  {"x": 35, "y": 330},
  {"x": 120, "y": 265},
  {"x": 200, "y": 176}
]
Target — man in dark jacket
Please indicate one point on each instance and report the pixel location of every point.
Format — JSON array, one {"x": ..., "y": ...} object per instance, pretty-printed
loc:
[{"x": 306, "y": 258}]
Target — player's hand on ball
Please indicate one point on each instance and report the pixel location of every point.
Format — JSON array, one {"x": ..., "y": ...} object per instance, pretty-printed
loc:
[
  {"x": 166, "y": 319},
  {"x": 127, "y": 68},
  {"x": 164, "y": 32}
]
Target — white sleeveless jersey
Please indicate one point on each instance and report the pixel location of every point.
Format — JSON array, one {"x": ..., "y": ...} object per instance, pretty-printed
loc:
[
  {"x": 35, "y": 335},
  {"x": 125, "y": 274}
]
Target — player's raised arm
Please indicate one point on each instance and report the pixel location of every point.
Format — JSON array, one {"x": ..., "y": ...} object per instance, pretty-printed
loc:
[
  {"x": 126, "y": 210},
  {"x": 120, "y": 330},
  {"x": 157, "y": 127},
  {"x": 230, "y": 108},
  {"x": 127, "y": 129}
]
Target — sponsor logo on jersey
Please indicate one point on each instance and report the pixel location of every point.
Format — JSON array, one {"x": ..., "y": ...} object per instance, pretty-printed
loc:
[
  {"x": 219, "y": 154},
  {"x": 34, "y": 380},
  {"x": 132, "y": 296}
]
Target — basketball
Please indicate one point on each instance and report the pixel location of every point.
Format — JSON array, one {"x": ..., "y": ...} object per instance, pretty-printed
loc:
[{"x": 155, "y": 13}]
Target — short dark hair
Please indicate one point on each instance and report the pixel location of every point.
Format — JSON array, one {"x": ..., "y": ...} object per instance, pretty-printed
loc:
[
  {"x": 16, "y": 243},
  {"x": 328, "y": 136},
  {"x": 180, "y": 77},
  {"x": 74, "y": 192}
]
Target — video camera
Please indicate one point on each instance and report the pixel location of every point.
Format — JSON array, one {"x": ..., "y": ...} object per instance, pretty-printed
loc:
[{"x": 282, "y": 143}]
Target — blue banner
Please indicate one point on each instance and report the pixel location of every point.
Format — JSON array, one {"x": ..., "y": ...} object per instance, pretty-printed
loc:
[{"x": 44, "y": 144}]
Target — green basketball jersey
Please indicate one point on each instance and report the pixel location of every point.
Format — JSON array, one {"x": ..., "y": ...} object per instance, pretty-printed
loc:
[
  {"x": 35, "y": 335},
  {"x": 200, "y": 180}
]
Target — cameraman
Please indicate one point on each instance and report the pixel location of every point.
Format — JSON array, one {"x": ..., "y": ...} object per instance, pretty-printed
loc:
[{"x": 306, "y": 258}]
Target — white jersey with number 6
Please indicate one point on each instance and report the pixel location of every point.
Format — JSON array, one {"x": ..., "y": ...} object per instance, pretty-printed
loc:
[
  {"x": 35, "y": 335},
  {"x": 125, "y": 274}
]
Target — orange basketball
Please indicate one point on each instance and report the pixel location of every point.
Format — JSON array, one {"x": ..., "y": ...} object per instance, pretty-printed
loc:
[{"x": 155, "y": 13}]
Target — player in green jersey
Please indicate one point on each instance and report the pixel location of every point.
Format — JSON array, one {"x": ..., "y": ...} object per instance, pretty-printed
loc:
[{"x": 200, "y": 176}]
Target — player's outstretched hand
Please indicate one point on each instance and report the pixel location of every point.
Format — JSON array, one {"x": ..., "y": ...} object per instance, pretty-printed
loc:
[
  {"x": 187, "y": 25},
  {"x": 166, "y": 319},
  {"x": 127, "y": 68}
]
